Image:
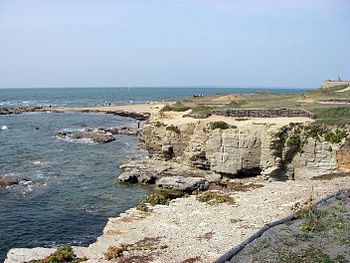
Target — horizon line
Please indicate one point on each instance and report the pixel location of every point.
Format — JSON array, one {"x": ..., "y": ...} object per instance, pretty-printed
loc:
[{"x": 159, "y": 86}]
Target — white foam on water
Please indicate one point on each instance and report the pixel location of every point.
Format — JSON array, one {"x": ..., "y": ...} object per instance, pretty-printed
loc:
[{"x": 4, "y": 127}]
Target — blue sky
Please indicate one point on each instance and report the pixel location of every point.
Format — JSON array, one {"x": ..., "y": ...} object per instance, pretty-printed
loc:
[{"x": 108, "y": 43}]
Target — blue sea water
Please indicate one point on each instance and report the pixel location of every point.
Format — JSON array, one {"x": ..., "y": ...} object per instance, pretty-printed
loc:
[{"x": 72, "y": 187}]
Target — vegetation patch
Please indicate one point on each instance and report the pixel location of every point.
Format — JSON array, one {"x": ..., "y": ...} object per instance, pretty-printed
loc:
[
  {"x": 178, "y": 106},
  {"x": 318, "y": 234},
  {"x": 213, "y": 198},
  {"x": 202, "y": 111},
  {"x": 294, "y": 141},
  {"x": 115, "y": 252},
  {"x": 147, "y": 243},
  {"x": 332, "y": 115},
  {"x": 220, "y": 125},
  {"x": 62, "y": 254}
]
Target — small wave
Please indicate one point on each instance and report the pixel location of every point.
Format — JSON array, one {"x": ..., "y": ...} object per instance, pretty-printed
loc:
[
  {"x": 4, "y": 127},
  {"x": 83, "y": 140}
]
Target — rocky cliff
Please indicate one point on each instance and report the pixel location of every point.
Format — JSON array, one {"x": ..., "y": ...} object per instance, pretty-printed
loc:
[{"x": 277, "y": 151}]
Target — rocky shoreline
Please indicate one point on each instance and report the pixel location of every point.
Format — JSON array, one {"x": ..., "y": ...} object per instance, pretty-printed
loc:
[{"x": 225, "y": 158}]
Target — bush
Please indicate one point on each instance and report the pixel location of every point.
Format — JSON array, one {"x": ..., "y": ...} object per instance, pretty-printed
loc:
[
  {"x": 61, "y": 255},
  {"x": 115, "y": 252},
  {"x": 335, "y": 137},
  {"x": 294, "y": 141},
  {"x": 202, "y": 111},
  {"x": 153, "y": 199},
  {"x": 220, "y": 125},
  {"x": 178, "y": 106}
]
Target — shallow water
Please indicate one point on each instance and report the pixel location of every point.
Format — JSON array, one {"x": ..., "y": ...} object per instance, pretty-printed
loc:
[{"x": 72, "y": 188}]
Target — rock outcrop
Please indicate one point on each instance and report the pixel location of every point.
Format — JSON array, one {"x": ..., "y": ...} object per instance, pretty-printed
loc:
[
  {"x": 10, "y": 179},
  {"x": 182, "y": 184},
  {"x": 99, "y": 135},
  {"x": 247, "y": 150},
  {"x": 149, "y": 171},
  {"x": 19, "y": 110}
]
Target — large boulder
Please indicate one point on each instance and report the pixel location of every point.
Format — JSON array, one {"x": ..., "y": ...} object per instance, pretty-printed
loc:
[
  {"x": 183, "y": 184},
  {"x": 149, "y": 171}
]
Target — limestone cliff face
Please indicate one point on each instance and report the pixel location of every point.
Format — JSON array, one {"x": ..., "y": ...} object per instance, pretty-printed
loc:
[
  {"x": 314, "y": 159},
  {"x": 245, "y": 150}
]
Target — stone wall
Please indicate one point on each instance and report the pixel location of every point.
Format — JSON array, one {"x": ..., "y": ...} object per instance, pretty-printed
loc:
[{"x": 264, "y": 113}]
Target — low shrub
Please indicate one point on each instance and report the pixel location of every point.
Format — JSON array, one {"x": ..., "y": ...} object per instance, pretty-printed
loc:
[
  {"x": 294, "y": 141},
  {"x": 61, "y": 255},
  {"x": 202, "y": 111},
  {"x": 115, "y": 252},
  {"x": 213, "y": 198},
  {"x": 178, "y": 106},
  {"x": 335, "y": 137},
  {"x": 153, "y": 199},
  {"x": 220, "y": 125}
]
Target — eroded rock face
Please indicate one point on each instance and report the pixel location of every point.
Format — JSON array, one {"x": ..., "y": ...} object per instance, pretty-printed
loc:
[
  {"x": 257, "y": 149},
  {"x": 316, "y": 158},
  {"x": 149, "y": 171},
  {"x": 234, "y": 151},
  {"x": 343, "y": 158}
]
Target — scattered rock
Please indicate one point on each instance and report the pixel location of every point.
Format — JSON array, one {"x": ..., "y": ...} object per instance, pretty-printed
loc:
[
  {"x": 10, "y": 179},
  {"x": 99, "y": 135},
  {"x": 18, "y": 110},
  {"x": 95, "y": 137}
]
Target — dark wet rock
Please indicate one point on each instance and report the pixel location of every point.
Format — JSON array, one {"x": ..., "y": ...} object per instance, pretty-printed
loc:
[
  {"x": 18, "y": 110},
  {"x": 95, "y": 137},
  {"x": 183, "y": 184},
  {"x": 9, "y": 180},
  {"x": 99, "y": 135}
]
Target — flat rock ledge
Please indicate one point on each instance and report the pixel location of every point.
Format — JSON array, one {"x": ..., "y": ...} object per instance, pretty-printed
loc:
[{"x": 166, "y": 175}]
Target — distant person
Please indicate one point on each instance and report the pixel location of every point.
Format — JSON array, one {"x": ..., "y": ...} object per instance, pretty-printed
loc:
[{"x": 339, "y": 78}]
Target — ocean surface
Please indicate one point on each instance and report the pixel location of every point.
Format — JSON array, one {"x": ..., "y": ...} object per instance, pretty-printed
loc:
[{"x": 70, "y": 188}]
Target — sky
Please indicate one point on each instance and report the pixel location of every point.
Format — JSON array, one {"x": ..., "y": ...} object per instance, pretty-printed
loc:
[{"x": 220, "y": 43}]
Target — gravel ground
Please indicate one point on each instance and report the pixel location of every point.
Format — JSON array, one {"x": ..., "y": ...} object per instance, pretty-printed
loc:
[{"x": 191, "y": 231}]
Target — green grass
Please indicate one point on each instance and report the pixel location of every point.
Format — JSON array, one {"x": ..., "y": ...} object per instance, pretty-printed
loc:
[
  {"x": 332, "y": 115},
  {"x": 202, "y": 111},
  {"x": 178, "y": 106}
]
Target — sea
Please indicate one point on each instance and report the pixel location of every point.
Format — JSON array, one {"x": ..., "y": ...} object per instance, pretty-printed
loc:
[{"x": 70, "y": 188}]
